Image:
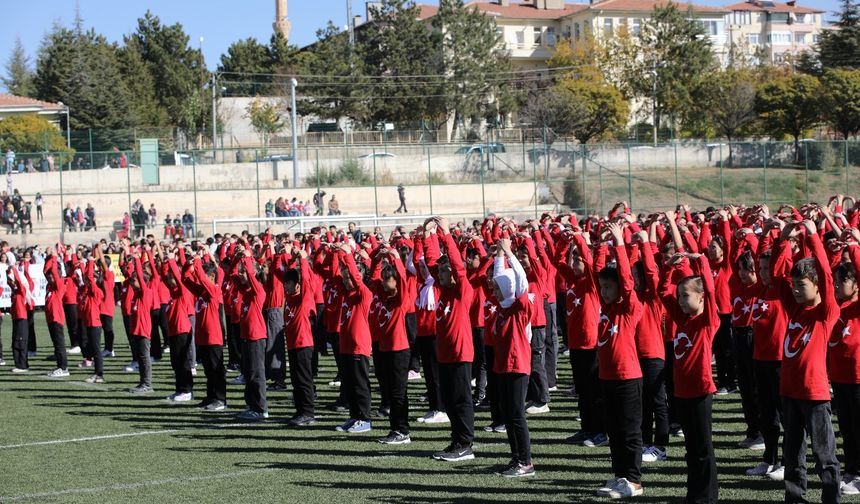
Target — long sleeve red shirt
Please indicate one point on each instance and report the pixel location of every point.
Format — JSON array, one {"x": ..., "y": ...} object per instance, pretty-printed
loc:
[
  {"x": 354, "y": 328},
  {"x": 453, "y": 327},
  {"x": 616, "y": 340},
  {"x": 299, "y": 309}
]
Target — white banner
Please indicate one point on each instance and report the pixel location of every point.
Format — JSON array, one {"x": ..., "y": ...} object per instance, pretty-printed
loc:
[{"x": 39, "y": 288}]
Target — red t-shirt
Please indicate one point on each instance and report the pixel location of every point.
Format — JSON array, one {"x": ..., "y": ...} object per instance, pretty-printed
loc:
[
  {"x": 207, "y": 304},
  {"x": 298, "y": 310},
  {"x": 355, "y": 307},
  {"x": 691, "y": 369},
  {"x": 252, "y": 327},
  {"x": 453, "y": 327},
  {"x": 390, "y": 319},
  {"x": 616, "y": 345},
  {"x": 54, "y": 293},
  {"x": 581, "y": 299},
  {"x": 649, "y": 332},
  {"x": 511, "y": 342}
]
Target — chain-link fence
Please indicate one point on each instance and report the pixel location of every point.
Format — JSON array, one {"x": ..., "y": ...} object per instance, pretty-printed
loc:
[{"x": 525, "y": 178}]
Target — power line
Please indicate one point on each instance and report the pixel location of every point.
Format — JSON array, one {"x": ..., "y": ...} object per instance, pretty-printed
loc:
[{"x": 395, "y": 77}]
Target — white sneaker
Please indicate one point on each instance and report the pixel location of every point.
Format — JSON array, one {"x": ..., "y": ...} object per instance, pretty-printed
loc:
[
  {"x": 752, "y": 443},
  {"x": 194, "y": 371},
  {"x": 653, "y": 454},
  {"x": 624, "y": 489},
  {"x": 850, "y": 485},
  {"x": 437, "y": 417},
  {"x": 75, "y": 350},
  {"x": 474, "y": 383},
  {"x": 239, "y": 380},
  {"x": 334, "y": 383},
  {"x": 2, "y": 362},
  {"x": 777, "y": 474},
  {"x": 184, "y": 397},
  {"x": 58, "y": 373},
  {"x": 760, "y": 470},
  {"x": 413, "y": 375},
  {"x": 20, "y": 370},
  {"x": 132, "y": 367},
  {"x": 537, "y": 410}
]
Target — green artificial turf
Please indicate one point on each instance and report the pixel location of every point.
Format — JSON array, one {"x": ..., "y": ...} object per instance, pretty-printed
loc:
[{"x": 183, "y": 455}]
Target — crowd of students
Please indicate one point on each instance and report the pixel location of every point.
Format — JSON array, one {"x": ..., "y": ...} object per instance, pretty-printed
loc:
[{"x": 644, "y": 303}]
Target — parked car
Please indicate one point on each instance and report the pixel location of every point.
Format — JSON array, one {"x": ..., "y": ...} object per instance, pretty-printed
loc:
[
  {"x": 377, "y": 155},
  {"x": 481, "y": 149}
]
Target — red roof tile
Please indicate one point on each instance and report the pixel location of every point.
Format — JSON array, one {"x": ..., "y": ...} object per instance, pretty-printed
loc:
[
  {"x": 777, "y": 7},
  {"x": 12, "y": 101},
  {"x": 648, "y": 5},
  {"x": 527, "y": 11}
]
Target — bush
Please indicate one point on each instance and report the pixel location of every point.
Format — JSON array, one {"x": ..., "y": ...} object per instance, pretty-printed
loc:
[
  {"x": 349, "y": 173},
  {"x": 823, "y": 156},
  {"x": 32, "y": 134}
]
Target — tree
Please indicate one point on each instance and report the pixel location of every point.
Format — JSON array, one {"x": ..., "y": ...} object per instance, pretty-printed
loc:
[
  {"x": 602, "y": 108},
  {"x": 840, "y": 100},
  {"x": 402, "y": 56},
  {"x": 478, "y": 83},
  {"x": 19, "y": 74},
  {"x": 840, "y": 47},
  {"x": 81, "y": 69},
  {"x": 246, "y": 64},
  {"x": 675, "y": 56},
  {"x": 789, "y": 105},
  {"x": 144, "y": 107},
  {"x": 729, "y": 104},
  {"x": 265, "y": 119},
  {"x": 31, "y": 133},
  {"x": 552, "y": 111},
  {"x": 178, "y": 70}
]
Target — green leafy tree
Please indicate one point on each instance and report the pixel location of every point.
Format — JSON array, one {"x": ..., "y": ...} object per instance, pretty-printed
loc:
[
  {"x": 265, "y": 120},
  {"x": 144, "y": 107},
  {"x": 839, "y": 47},
  {"x": 246, "y": 64},
  {"x": 602, "y": 108},
  {"x": 399, "y": 53},
  {"x": 840, "y": 101},
  {"x": 30, "y": 133},
  {"x": 19, "y": 73},
  {"x": 729, "y": 102},
  {"x": 789, "y": 105}
]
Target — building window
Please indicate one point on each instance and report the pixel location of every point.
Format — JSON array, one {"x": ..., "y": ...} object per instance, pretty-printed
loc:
[
  {"x": 779, "y": 38},
  {"x": 550, "y": 36},
  {"x": 576, "y": 31},
  {"x": 800, "y": 38},
  {"x": 636, "y": 26},
  {"x": 521, "y": 39},
  {"x": 536, "y": 31},
  {"x": 711, "y": 27},
  {"x": 607, "y": 26},
  {"x": 815, "y": 38},
  {"x": 741, "y": 17},
  {"x": 752, "y": 39}
]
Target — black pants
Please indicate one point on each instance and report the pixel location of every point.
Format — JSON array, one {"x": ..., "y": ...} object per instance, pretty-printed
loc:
[
  {"x": 674, "y": 420},
  {"x": 723, "y": 353},
  {"x": 276, "y": 362},
  {"x": 213, "y": 365},
  {"x": 180, "y": 361},
  {"x": 384, "y": 389},
  {"x": 59, "y": 340},
  {"x": 94, "y": 348},
  {"x": 494, "y": 384},
  {"x": 455, "y": 384},
  {"x": 769, "y": 407},
  {"x": 235, "y": 345},
  {"x": 356, "y": 385},
  {"x": 742, "y": 340},
  {"x": 156, "y": 348},
  {"x": 140, "y": 351},
  {"x": 623, "y": 402},
  {"x": 411, "y": 336},
  {"x": 655, "y": 409},
  {"x": 551, "y": 344},
  {"x": 810, "y": 418},
  {"x": 31, "y": 332},
  {"x": 561, "y": 319},
  {"x": 538, "y": 388},
  {"x": 479, "y": 369},
  {"x": 514, "y": 388},
  {"x": 19, "y": 343},
  {"x": 254, "y": 367},
  {"x": 695, "y": 417},
  {"x": 584, "y": 364},
  {"x": 427, "y": 347},
  {"x": 402, "y": 207},
  {"x": 107, "y": 327},
  {"x": 320, "y": 341},
  {"x": 334, "y": 340},
  {"x": 126, "y": 324},
  {"x": 395, "y": 369},
  {"x": 847, "y": 400},
  {"x": 302, "y": 379}
]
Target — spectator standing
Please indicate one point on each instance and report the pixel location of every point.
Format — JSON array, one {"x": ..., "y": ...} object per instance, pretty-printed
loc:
[
  {"x": 333, "y": 206},
  {"x": 10, "y": 161},
  {"x": 9, "y": 182},
  {"x": 90, "y": 218},
  {"x": 39, "y": 202},
  {"x": 401, "y": 194},
  {"x": 187, "y": 224},
  {"x": 153, "y": 214},
  {"x": 319, "y": 202},
  {"x": 50, "y": 159}
]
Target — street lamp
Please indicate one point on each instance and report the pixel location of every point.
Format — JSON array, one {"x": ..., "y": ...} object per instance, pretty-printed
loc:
[
  {"x": 293, "y": 84},
  {"x": 68, "y": 130}
]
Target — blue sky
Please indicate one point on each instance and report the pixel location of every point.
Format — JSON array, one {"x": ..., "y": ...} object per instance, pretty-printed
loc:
[{"x": 219, "y": 22}]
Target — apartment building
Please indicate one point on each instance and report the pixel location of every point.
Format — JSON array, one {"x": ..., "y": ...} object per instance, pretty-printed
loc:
[{"x": 779, "y": 31}]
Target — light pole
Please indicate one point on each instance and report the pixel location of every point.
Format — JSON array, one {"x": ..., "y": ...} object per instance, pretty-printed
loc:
[
  {"x": 68, "y": 130},
  {"x": 293, "y": 84},
  {"x": 214, "y": 120},
  {"x": 654, "y": 100}
]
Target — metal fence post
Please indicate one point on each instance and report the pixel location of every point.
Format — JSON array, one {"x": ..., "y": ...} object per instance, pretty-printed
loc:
[
  {"x": 629, "y": 179},
  {"x": 677, "y": 199},
  {"x": 600, "y": 186},
  {"x": 62, "y": 208},
  {"x": 845, "y": 142},
  {"x": 534, "y": 180},
  {"x": 194, "y": 186},
  {"x": 584, "y": 200},
  {"x": 321, "y": 208},
  {"x": 90, "y": 133},
  {"x": 806, "y": 166},
  {"x": 128, "y": 187},
  {"x": 429, "y": 179},
  {"x": 375, "y": 184},
  {"x": 722, "y": 180},
  {"x": 257, "y": 169},
  {"x": 764, "y": 170},
  {"x": 483, "y": 195}
]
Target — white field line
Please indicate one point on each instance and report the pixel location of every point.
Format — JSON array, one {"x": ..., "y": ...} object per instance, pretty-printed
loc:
[
  {"x": 132, "y": 486},
  {"x": 91, "y": 438}
]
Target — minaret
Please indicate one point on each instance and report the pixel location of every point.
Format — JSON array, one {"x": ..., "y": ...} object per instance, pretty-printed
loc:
[{"x": 282, "y": 23}]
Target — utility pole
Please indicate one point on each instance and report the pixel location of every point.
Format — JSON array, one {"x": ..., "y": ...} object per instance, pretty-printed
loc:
[
  {"x": 350, "y": 23},
  {"x": 214, "y": 119},
  {"x": 654, "y": 100},
  {"x": 293, "y": 84}
]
